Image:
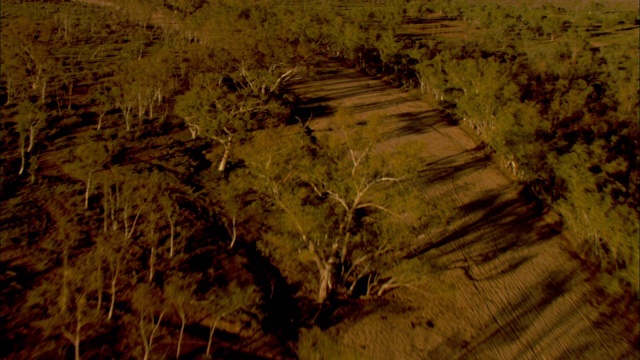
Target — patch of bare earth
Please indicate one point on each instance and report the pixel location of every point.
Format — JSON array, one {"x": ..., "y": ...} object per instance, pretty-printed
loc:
[{"x": 501, "y": 285}]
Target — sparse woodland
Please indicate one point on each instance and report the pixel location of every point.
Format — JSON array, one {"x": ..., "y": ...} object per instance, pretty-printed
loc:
[{"x": 159, "y": 188}]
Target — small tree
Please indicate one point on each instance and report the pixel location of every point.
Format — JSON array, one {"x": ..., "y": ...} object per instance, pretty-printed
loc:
[
  {"x": 88, "y": 158},
  {"x": 179, "y": 292},
  {"x": 65, "y": 299},
  {"x": 30, "y": 119},
  {"x": 220, "y": 302},
  {"x": 149, "y": 306},
  {"x": 104, "y": 102}
]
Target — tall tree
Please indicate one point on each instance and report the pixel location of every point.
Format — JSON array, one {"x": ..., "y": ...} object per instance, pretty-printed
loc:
[{"x": 343, "y": 206}]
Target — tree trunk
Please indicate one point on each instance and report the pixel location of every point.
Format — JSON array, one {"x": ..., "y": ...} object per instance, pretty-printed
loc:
[
  {"x": 22, "y": 163},
  {"x": 148, "y": 344},
  {"x": 326, "y": 274},
  {"x": 126, "y": 111},
  {"x": 113, "y": 295},
  {"x": 86, "y": 193},
  {"x": 70, "y": 96},
  {"x": 234, "y": 233},
  {"x": 152, "y": 260},
  {"x": 184, "y": 320},
  {"x": 225, "y": 156},
  {"x": 211, "y": 330},
  {"x": 150, "y": 101},
  {"x": 105, "y": 207},
  {"x": 325, "y": 284},
  {"x": 32, "y": 135},
  {"x": 76, "y": 342},
  {"x": 101, "y": 286},
  {"x": 172, "y": 237},
  {"x": 99, "y": 305},
  {"x": 194, "y": 130},
  {"x": 43, "y": 92}
]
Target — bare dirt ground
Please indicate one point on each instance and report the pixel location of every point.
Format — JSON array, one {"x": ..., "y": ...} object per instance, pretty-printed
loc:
[{"x": 501, "y": 285}]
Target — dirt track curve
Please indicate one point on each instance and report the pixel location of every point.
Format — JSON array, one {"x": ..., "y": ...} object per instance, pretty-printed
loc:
[{"x": 502, "y": 286}]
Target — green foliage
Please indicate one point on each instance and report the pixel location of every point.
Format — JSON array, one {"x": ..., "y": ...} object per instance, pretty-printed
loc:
[
  {"x": 331, "y": 211},
  {"x": 595, "y": 210},
  {"x": 339, "y": 203}
]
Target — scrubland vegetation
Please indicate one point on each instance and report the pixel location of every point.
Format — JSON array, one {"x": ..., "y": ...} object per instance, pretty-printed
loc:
[{"x": 162, "y": 196}]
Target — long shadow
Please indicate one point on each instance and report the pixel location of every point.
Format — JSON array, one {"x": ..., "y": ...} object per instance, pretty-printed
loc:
[
  {"x": 317, "y": 107},
  {"x": 509, "y": 325},
  {"x": 355, "y": 91},
  {"x": 496, "y": 226},
  {"x": 421, "y": 122},
  {"x": 379, "y": 105},
  {"x": 337, "y": 81},
  {"x": 452, "y": 166},
  {"x": 499, "y": 228}
]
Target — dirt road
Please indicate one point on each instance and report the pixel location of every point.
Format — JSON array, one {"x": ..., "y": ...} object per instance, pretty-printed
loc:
[{"x": 502, "y": 287}]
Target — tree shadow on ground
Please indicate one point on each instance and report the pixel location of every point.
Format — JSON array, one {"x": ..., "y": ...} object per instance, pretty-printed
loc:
[
  {"x": 354, "y": 90},
  {"x": 492, "y": 238},
  {"x": 421, "y": 122},
  {"x": 450, "y": 167},
  {"x": 489, "y": 227},
  {"x": 510, "y": 325},
  {"x": 380, "y": 105}
]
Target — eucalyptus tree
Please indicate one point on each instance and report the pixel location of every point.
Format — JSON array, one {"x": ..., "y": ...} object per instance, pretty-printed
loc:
[
  {"x": 86, "y": 159},
  {"x": 126, "y": 226},
  {"x": 64, "y": 299},
  {"x": 172, "y": 212},
  {"x": 27, "y": 63},
  {"x": 220, "y": 302},
  {"x": 272, "y": 48},
  {"x": 180, "y": 293},
  {"x": 150, "y": 307},
  {"x": 430, "y": 72},
  {"x": 104, "y": 102},
  {"x": 124, "y": 92},
  {"x": 602, "y": 221},
  {"x": 224, "y": 116},
  {"x": 342, "y": 206},
  {"x": 74, "y": 320},
  {"x": 30, "y": 118}
]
